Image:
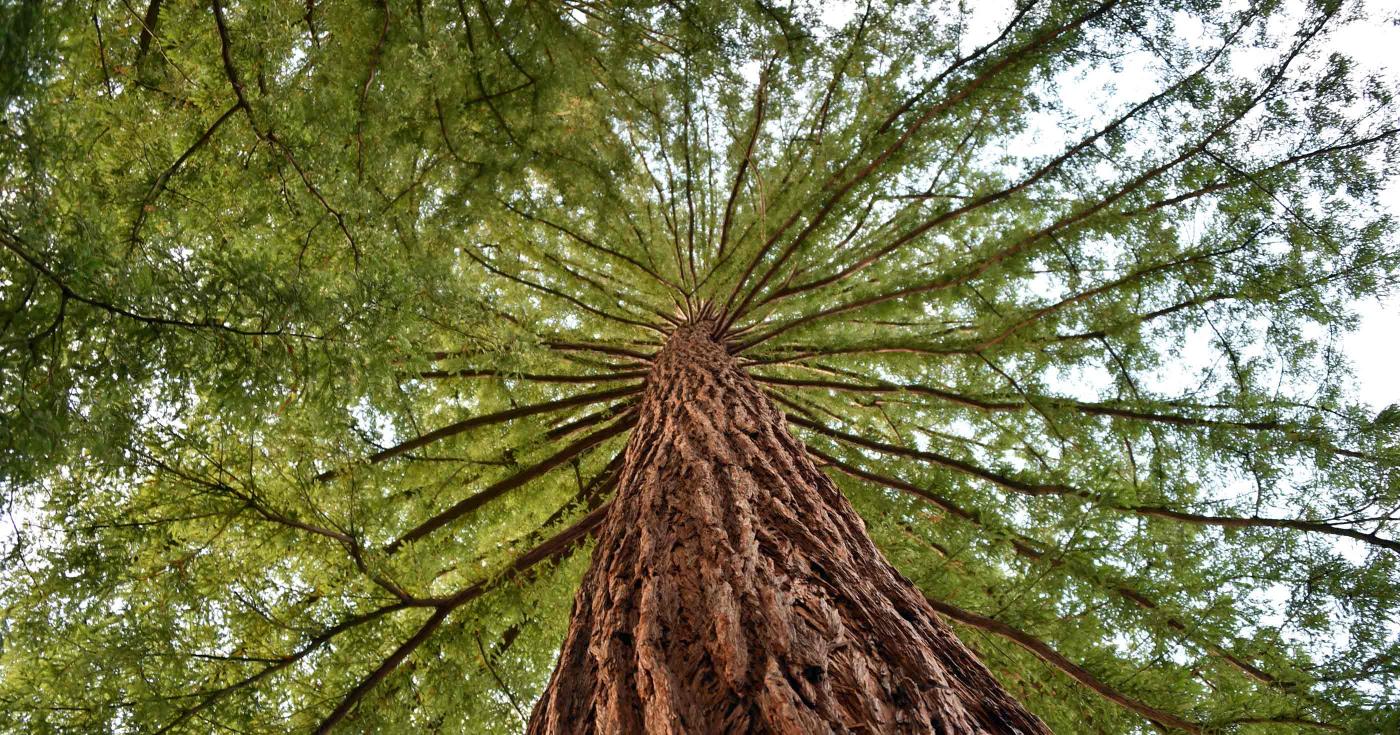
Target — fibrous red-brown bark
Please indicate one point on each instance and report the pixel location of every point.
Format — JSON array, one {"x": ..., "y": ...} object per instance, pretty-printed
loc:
[{"x": 733, "y": 589}]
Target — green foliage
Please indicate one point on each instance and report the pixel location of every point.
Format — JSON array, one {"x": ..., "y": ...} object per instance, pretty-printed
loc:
[{"x": 249, "y": 249}]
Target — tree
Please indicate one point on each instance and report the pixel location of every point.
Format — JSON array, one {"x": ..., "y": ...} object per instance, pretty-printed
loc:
[{"x": 340, "y": 339}]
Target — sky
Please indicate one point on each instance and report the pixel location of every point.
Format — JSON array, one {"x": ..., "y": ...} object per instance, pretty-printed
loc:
[{"x": 1374, "y": 348}]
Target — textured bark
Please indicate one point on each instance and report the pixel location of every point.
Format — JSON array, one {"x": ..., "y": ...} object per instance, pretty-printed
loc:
[{"x": 734, "y": 589}]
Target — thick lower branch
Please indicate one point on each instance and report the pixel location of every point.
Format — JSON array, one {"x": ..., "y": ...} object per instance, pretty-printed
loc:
[
  {"x": 1052, "y": 657},
  {"x": 501, "y": 487},
  {"x": 553, "y": 548},
  {"x": 1029, "y": 549},
  {"x": 1036, "y": 489},
  {"x": 475, "y": 422}
]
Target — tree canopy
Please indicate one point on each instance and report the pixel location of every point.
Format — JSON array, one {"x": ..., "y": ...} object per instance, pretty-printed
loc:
[{"x": 321, "y": 324}]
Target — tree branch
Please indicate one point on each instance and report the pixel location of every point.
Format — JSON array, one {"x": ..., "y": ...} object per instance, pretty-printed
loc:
[
  {"x": 231, "y": 72},
  {"x": 158, "y": 186},
  {"x": 987, "y": 262},
  {"x": 760, "y": 102},
  {"x": 563, "y": 296},
  {"x": 321, "y": 639},
  {"x": 1037, "y": 490},
  {"x": 148, "y": 30},
  {"x": 501, "y": 487},
  {"x": 1052, "y": 657},
  {"x": 531, "y": 377},
  {"x": 553, "y": 548},
  {"x": 14, "y": 244},
  {"x": 1045, "y": 170},
  {"x": 582, "y": 399},
  {"x": 964, "y": 92},
  {"x": 1029, "y": 549}
]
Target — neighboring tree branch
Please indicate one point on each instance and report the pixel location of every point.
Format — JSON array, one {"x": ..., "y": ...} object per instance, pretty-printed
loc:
[
  {"x": 148, "y": 30},
  {"x": 231, "y": 72},
  {"x": 158, "y": 186},
  {"x": 210, "y": 698},
  {"x": 15, "y": 245}
]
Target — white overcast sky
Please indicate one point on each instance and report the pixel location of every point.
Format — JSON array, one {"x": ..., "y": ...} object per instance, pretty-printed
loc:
[{"x": 1375, "y": 347}]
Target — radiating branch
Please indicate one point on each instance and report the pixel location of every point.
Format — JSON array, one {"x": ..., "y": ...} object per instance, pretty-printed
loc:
[
  {"x": 998, "y": 403},
  {"x": 497, "y": 417},
  {"x": 1003, "y": 481},
  {"x": 385, "y": 668},
  {"x": 967, "y": 273},
  {"x": 1029, "y": 549},
  {"x": 564, "y": 430},
  {"x": 553, "y": 548},
  {"x": 530, "y": 377},
  {"x": 1244, "y": 177},
  {"x": 501, "y": 487},
  {"x": 840, "y": 191},
  {"x": 556, "y": 293},
  {"x": 1050, "y": 656},
  {"x": 1045, "y": 170},
  {"x": 592, "y": 244},
  {"x": 759, "y": 106},
  {"x": 1034, "y": 489},
  {"x": 601, "y": 348}
]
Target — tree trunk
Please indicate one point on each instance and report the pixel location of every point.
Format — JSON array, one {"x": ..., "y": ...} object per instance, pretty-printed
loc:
[{"x": 734, "y": 589}]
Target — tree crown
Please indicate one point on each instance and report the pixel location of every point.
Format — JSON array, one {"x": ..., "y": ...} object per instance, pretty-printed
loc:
[{"x": 324, "y": 322}]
